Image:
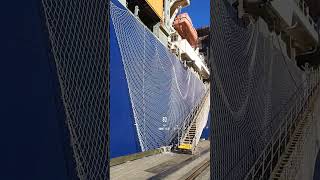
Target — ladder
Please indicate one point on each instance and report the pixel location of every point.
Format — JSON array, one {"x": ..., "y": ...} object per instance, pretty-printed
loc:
[{"x": 192, "y": 132}]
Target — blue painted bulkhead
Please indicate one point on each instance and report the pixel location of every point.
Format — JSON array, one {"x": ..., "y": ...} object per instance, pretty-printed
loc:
[
  {"x": 123, "y": 135},
  {"x": 206, "y": 129},
  {"x": 34, "y": 138}
]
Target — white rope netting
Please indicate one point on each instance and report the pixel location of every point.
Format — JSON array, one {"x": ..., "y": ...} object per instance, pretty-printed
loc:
[
  {"x": 78, "y": 32},
  {"x": 162, "y": 91},
  {"x": 252, "y": 82}
]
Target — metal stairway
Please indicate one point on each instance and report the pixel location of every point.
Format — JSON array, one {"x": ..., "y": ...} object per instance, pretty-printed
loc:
[
  {"x": 291, "y": 153},
  {"x": 193, "y": 128},
  {"x": 190, "y": 134},
  {"x": 290, "y": 165}
]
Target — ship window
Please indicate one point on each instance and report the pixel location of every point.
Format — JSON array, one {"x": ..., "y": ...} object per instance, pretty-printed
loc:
[{"x": 174, "y": 38}]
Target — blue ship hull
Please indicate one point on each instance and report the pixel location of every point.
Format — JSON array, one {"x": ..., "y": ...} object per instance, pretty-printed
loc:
[{"x": 130, "y": 43}]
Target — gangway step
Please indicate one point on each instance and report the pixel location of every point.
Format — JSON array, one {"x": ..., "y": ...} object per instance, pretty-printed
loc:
[
  {"x": 185, "y": 146},
  {"x": 295, "y": 140}
]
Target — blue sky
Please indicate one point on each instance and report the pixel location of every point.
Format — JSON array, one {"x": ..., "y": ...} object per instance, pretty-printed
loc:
[{"x": 199, "y": 11}]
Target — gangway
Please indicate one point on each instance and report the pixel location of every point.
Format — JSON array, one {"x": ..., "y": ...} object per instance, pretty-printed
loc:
[
  {"x": 290, "y": 145},
  {"x": 194, "y": 125}
]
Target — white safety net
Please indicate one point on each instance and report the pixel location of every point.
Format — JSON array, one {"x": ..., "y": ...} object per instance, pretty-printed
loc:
[
  {"x": 78, "y": 33},
  {"x": 162, "y": 91},
  {"x": 252, "y": 81}
]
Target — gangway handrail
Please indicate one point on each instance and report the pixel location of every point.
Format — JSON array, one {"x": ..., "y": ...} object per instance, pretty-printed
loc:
[
  {"x": 196, "y": 114},
  {"x": 294, "y": 113},
  {"x": 175, "y": 138},
  {"x": 190, "y": 118},
  {"x": 194, "y": 139}
]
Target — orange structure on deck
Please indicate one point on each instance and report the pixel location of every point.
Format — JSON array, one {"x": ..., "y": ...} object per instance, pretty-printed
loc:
[{"x": 183, "y": 25}]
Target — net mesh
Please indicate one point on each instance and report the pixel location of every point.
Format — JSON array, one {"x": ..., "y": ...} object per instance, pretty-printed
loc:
[
  {"x": 162, "y": 91},
  {"x": 306, "y": 154},
  {"x": 305, "y": 145},
  {"x": 79, "y": 31},
  {"x": 252, "y": 81},
  {"x": 303, "y": 158}
]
